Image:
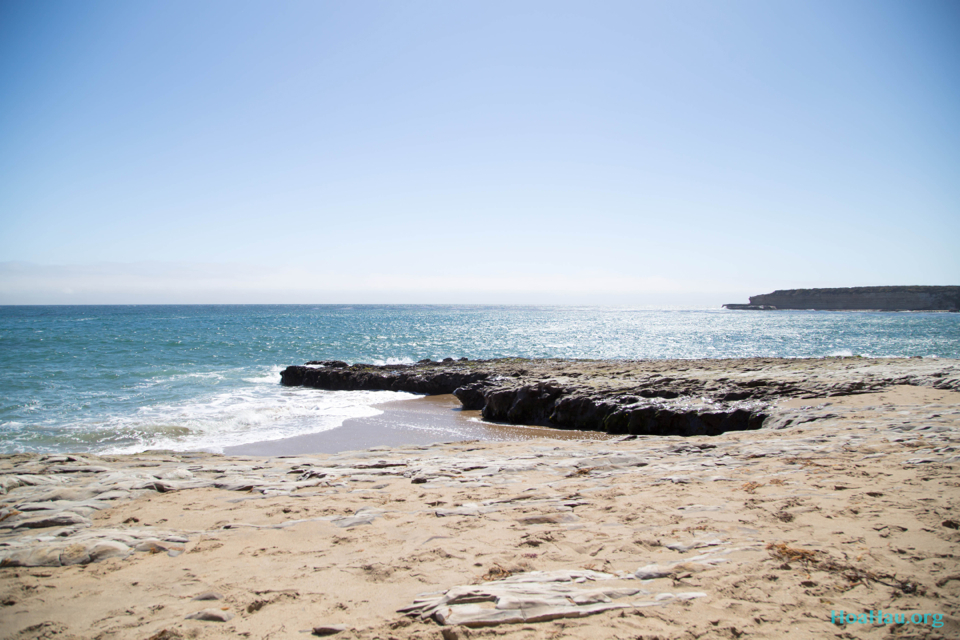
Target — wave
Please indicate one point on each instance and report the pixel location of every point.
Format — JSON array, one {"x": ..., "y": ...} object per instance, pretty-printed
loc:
[
  {"x": 271, "y": 376},
  {"x": 394, "y": 361},
  {"x": 240, "y": 416}
]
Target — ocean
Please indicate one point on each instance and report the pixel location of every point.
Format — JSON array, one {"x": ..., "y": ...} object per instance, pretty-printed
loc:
[{"x": 124, "y": 379}]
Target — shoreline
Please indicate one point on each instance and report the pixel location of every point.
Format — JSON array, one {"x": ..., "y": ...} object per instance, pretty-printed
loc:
[{"x": 417, "y": 421}]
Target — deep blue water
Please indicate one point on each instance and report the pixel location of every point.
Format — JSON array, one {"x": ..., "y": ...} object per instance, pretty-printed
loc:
[{"x": 128, "y": 378}]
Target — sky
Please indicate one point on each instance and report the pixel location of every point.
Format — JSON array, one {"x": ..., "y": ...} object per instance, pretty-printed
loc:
[{"x": 679, "y": 153}]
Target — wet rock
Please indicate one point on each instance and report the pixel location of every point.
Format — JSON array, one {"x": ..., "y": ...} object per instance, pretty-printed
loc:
[
  {"x": 386, "y": 378},
  {"x": 471, "y": 396}
]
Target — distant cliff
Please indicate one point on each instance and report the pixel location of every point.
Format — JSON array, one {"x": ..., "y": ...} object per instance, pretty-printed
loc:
[{"x": 915, "y": 298}]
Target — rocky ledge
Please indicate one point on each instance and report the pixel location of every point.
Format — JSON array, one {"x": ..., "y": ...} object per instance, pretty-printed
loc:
[{"x": 652, "y": 397}]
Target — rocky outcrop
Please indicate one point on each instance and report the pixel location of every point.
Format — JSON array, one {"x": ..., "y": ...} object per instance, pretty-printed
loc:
[
  {"x": 915, "y": 298},
  {"x": 427, "y": 378},
  {"x": 551, "y": 405},
  {"x": 662, "y": 397}
]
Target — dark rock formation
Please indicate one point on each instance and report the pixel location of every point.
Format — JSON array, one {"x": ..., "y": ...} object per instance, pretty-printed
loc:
[
  {"x": 420, "y": 378},
  {"x": 659, "y": 397},
  {"x": 858, "y": 299}
]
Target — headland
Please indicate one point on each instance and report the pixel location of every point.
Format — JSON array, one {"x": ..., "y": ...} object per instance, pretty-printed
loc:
[{"x": 895, "y": 298}]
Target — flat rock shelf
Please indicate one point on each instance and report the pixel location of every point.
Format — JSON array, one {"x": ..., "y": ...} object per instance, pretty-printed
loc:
[{"x": 652, "y": 397}]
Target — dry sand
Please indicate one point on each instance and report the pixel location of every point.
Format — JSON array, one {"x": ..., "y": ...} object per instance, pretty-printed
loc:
[{"x": 760, "y": 534}]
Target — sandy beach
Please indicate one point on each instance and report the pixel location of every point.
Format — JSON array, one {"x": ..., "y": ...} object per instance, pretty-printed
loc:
[{"x": 849, "y": 509}]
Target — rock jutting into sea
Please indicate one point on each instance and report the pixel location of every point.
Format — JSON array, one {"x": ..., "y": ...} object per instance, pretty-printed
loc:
[
  {"x": 915, "y": 298},
  {"x": 651, "y": 397}
]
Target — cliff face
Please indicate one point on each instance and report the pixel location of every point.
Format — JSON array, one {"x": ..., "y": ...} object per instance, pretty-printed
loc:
[{"x": 859, "y": 298}]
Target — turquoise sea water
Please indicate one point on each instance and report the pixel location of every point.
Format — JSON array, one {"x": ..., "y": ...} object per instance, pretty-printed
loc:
[{"x": 130, "y": 378}]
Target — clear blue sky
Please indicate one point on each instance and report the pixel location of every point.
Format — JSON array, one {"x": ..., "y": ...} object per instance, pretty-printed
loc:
[{"x": 625, "y": 152}]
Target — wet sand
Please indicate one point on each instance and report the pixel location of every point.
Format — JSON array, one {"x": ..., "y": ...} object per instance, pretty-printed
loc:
[{"x": 420, "y": 421}]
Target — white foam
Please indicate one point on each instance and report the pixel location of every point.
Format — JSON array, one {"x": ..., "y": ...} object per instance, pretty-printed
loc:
[
  {"x": 259, "y": 410},
  {"x": 380, "y": 363},
  {"x": 168, "y": 379},
  {"x": 269, "y": 377}
]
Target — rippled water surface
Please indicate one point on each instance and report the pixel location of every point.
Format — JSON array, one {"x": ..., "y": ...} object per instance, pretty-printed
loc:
[{"x": 128, "y": 378}]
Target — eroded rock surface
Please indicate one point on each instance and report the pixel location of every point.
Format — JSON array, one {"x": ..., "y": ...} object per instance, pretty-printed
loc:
[{"x": 653, "y": 397}]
